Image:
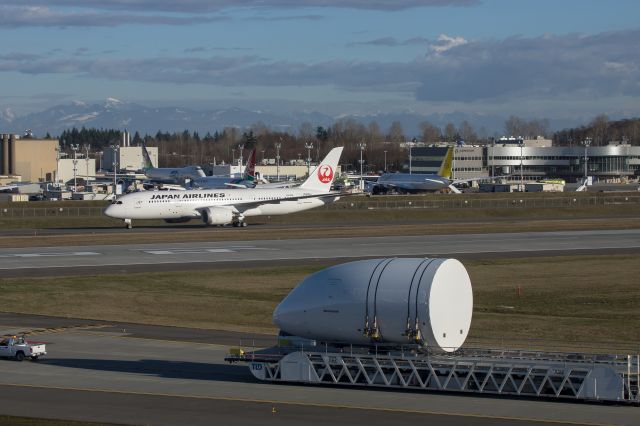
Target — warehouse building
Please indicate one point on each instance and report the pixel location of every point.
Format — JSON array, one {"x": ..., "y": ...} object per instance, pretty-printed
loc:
[{"x": 34, "y": 160}]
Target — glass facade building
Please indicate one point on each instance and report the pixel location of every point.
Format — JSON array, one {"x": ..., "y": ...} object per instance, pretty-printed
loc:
[{"x": 610, "y": 163}]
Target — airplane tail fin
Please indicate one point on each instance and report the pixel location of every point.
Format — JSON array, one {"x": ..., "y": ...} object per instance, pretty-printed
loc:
[
  {"x": 250, "y": 168},
  {"x": 147, "y": 158},
  {"x": 447, "y": 164},
  {"x": 321, "y": 177}
]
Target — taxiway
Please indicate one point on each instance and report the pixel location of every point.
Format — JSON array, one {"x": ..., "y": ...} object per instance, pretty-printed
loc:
[{"x": 143, "y": 257}]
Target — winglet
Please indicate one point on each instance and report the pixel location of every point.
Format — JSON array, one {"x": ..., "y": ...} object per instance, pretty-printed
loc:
[{"x": 321, "y": 178}]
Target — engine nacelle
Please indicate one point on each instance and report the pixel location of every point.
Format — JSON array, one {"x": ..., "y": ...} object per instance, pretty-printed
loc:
[{"x": 216, "y": 216}]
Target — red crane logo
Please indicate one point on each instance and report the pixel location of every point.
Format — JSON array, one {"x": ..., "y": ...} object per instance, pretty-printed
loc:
[{"x": 325, "y": 174}]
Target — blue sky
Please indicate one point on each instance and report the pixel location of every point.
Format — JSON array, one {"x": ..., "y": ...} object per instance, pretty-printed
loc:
[{"x": 536, "y": 58}]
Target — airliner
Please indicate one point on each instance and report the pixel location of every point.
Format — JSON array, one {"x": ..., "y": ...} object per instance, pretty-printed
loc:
[
  {"x": 248, "y": 179},
  {"x": 169, "y": 174},
  {"x": 229, "y": 206},
  {"x": 417, "y": 182}
]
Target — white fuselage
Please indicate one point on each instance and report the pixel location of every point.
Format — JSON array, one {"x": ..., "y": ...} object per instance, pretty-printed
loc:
[{"x": 188, "y": 204}]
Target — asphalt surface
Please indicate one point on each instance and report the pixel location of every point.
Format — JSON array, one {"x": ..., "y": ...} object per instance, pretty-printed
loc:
[
  {"x": 105, "y": 374},
  {"x": 160, "y": 256}
]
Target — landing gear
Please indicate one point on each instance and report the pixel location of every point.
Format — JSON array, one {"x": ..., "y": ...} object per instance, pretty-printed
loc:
[
  {"x": 128, "y": 224},
  {"x": 239, "y": 222}
]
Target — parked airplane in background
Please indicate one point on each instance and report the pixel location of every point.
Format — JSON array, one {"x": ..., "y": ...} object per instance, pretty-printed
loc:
[
  {"x": 417, "y": 182},
  {"x": 248, "y": 179},
  {"x": 177, "y": 175},
  {"x": 230, "y": 206}
]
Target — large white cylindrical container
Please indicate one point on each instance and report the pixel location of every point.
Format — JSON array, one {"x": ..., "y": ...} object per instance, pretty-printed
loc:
[{"x": 388, "y": 301}]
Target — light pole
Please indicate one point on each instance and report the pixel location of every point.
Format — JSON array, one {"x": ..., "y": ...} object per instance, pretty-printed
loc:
[
  {"x": 309, "y": 146},
  {"x": 74, "y": 148},
  {"x": 86, "y": 147},
  {"x": 362, "y": 147},
  {"x": 59, "y": 154},
  {"x": 240, "y": 149},
  {"x": 385, "y": 161},
  {"x": 521, "y": 143},
  {"x": 114, "y": 149},
  {"x": 278, "y": 145},
  {"x": 586, "y": 144},
  {"x": 453, "y": 164}
]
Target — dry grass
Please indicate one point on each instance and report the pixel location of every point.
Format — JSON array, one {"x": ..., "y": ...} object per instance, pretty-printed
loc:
[
  {"x": 32, "y": 421},
  {"x": 586, "y": 302},
  {"x": 566, "y": 301},
  {"x": 403, "y": 223}
]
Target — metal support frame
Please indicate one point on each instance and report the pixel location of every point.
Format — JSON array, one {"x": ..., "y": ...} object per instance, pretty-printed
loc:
[{"x": 518, "y": 373}]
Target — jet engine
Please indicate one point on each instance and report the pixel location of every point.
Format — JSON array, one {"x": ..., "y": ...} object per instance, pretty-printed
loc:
[
  {"x": 395, "y": 301},
  {"x": 216, "y": 216}
]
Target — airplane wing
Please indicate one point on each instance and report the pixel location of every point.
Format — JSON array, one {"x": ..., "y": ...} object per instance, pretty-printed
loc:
[
  {"x": 235, "y": 185},
  {"x": 242, "y": 207}
]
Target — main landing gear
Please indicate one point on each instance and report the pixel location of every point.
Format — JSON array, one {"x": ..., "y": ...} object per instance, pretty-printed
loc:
[{"x": 239, "y": 222}]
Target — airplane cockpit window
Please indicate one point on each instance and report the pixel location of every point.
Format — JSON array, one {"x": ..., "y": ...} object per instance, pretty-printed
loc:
[{"x": 116, "y": 202}]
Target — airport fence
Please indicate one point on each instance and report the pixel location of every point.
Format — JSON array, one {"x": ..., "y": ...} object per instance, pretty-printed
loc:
[
  {"x": 24, "y": 212},
  {"x": 485, "y": 203},
  {"x": 388, "y": 203}
]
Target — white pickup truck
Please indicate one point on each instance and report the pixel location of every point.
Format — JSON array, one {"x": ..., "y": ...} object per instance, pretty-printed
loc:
[{"x": 19, "y": 349}]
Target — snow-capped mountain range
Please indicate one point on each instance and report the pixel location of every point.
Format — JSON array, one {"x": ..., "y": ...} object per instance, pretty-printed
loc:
[{"x": 117, "y": 114}]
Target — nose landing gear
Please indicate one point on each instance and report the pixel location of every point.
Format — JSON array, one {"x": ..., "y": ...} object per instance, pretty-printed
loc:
[{"x": 128, "y": 224}]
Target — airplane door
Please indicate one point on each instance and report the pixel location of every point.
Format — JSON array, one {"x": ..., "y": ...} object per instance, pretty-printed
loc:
[{"x": 138, "y": 204}]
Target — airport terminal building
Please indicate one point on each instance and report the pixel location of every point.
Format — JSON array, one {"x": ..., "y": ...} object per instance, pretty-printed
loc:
[{"x": 534, "y": 159}]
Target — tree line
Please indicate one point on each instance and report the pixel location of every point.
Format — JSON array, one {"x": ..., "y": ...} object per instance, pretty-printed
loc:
[{"x": 177, "y": 149}]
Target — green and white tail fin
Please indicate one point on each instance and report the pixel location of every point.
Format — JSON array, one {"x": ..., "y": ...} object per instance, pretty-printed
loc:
[{"x": 147, "y": 158}]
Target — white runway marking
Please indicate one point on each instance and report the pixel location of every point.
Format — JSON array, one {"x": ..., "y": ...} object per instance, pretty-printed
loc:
[
  {"x": 77, "y": 253},
  {"x": 204, "y": 250},
  {"x": 189, "y": 251}
]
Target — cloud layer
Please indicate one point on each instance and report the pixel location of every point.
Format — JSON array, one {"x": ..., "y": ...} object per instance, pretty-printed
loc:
[
  {"x": 453, "y": 69},
  {"x": 197, "y": 6},
  {"x": 43, "y": 16}
]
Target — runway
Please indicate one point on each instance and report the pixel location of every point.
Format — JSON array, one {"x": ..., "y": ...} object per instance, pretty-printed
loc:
[
  {"x": 153, "y": 256},
  {"x": 110, "y": 375}
]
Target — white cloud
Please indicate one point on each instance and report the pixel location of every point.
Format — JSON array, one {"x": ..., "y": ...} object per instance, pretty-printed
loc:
[{"x": 444, "y": 43}]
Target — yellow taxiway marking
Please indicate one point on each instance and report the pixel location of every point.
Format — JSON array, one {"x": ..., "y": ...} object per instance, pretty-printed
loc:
[{"x": 311, "y": 404}]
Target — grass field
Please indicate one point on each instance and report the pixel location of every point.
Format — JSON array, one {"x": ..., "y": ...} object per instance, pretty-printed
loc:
[
  {"x": 30, "y": 421},
  {"x": 569, "y": 302}
]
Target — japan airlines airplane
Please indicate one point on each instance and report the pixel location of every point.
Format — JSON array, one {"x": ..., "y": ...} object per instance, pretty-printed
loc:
[
  {"x": 229, "y": 206},
  {"x": 176, "y": 175}
]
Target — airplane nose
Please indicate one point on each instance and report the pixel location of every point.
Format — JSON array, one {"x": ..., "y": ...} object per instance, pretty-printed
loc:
[{"x": 110, "y": 211}]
